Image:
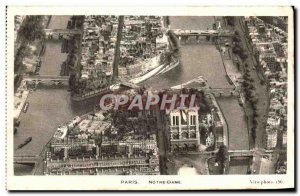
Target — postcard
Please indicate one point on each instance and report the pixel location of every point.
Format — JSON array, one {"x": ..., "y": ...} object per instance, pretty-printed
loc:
[{"x": 150, "y": 98}]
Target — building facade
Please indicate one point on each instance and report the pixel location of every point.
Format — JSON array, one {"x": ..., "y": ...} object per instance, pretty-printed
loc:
[{"x": 184, "y": 130}]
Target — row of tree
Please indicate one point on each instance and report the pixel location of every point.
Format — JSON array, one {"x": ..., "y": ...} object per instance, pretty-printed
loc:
[
  {"x": 22, "y": 52},
  {"x": 32, "y": 29},
  {"x": 237, "y": 47},
  {"x": 251, "y": 98}
]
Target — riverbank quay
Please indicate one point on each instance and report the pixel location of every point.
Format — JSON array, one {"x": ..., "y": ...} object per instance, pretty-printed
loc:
[
  {"x": 223, "y": 120},
  {"x": 261, "y": 92},
  {"x": 156, "y": 71},
  {"x": 20, "y": 99}
]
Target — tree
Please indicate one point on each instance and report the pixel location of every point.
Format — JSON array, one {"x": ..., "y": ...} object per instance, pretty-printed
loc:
[
  {"x": 222, "y": 156},
  {"x": 236, "y": 49},
  {"x": 22, "y": 52},
  {"x": 72, "y": 81},
  {"x": 243, "y": 55},
  {"x": 253, "y": 132},
  {"x": 236, "y": 38},
  {"x": 203, "y": 132},
  {"x": 251, "y": 87},
  {"x": 32, "y": 28},
  {"x": 230, "y": 20},
  {"x": 246, "y": 75},
  {"x": 245, "y": 84},
  {"x": 238, "y": 66},
  {"x": 167, "y": 19},
  {"x": 254, "y": 122},
  {"x": 255, "y": 115},
  {"x": 251, "y": 80}
]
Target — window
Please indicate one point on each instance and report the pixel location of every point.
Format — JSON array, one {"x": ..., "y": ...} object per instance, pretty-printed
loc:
[
  {"x": 192, "y": 120},
  {"x": 177, "y": 120}
]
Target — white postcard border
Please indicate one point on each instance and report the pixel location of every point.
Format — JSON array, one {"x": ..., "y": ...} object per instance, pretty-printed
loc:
[{"x": 201, "y": 182}]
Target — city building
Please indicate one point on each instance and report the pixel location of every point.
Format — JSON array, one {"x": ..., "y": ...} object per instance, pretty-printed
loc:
[
  {"x": 271, "y": 138},
  {"x": 97, "y": 144},
  {"x": 134, "y": 157},
  {"x": 269, "y": 43}
]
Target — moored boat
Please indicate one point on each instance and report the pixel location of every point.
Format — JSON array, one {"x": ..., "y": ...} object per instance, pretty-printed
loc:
[
  {"x": 25, "y": 108},
  {"x": 29, "y": 139}
]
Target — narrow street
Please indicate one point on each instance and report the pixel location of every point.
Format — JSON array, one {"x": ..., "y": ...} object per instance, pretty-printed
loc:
[{"x": 162, "y": 140}]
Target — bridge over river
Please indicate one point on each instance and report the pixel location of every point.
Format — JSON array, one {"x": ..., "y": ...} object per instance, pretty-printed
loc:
[
  {"x": 46, "y": 78},
  {"x": 200, "y": 84},
  {"x": 61, "y": 33},
  {"x": 26, "y": 159},
  {"x": 198, "y": 33}
]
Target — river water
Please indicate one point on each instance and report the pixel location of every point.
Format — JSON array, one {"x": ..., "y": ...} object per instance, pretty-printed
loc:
[
  {"x": 51, "y": 107},
  {"x": 196, "y": 59}
]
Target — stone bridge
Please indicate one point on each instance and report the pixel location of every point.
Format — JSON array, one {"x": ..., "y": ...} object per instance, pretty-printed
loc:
[
  {"x": 61, "y": 33},
  {"x": 198, "y": 33},
  {"x": 241, "y": 153},
  {"x": 26, "y": 159},
  {"x": 47, "y": 79},
  {"x": 222, "y": 92}
]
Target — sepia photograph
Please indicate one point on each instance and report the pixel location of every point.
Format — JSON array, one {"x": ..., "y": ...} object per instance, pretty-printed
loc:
[{"x": 182, "y": 96}]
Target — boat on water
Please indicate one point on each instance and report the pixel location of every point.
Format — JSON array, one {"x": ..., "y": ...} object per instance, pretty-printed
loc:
[
  {"x": 29, "y": 139},
  {"x": 240, "y": 101},
  {"x": 25, "y": 108},
  {"x": 229, "y": 79}
]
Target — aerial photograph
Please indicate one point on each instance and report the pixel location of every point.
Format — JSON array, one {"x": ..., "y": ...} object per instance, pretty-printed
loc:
[{"x": 150, "y": 95}]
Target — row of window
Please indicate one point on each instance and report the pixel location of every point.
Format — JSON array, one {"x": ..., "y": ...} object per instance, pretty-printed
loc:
[
  {"x": 175, "y": 120},
  {"x": 127, "y": 162}
]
